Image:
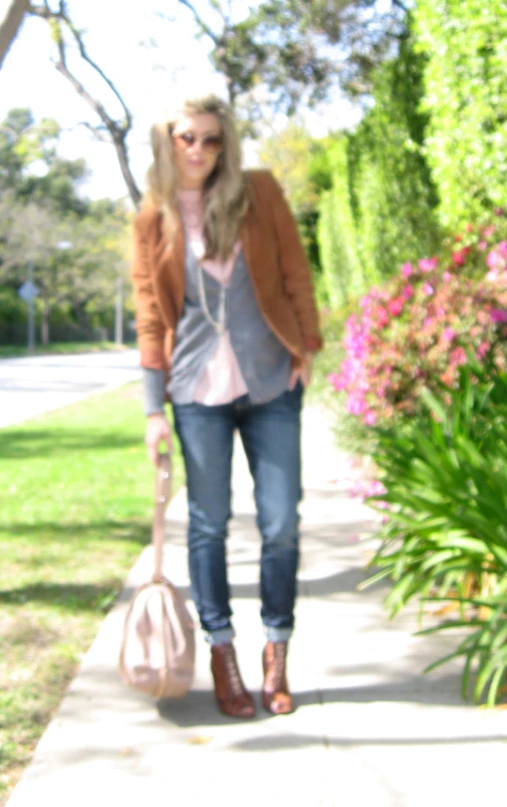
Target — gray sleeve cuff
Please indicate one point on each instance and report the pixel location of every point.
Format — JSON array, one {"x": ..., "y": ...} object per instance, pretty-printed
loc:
[{"x": 154, "y": 390}]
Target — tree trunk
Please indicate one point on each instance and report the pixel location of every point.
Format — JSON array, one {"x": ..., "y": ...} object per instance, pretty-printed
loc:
[
  {"x": 45, "y": 325},
  {"x": 121, "y": 152},
  {"x": 11, "y": 24}
]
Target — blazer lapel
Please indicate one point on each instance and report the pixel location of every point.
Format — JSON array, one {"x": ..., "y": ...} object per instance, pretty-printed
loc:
[
  {"x": 251, "y": 244},
  {"x": 170, "y": 270}
]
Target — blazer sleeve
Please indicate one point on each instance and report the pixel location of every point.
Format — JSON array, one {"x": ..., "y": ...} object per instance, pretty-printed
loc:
[
  {"x": 149, "y": 323},
  {"x": 296, "y": 272}
]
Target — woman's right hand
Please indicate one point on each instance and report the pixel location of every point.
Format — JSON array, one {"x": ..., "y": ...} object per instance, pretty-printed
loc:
[{"x": 157, "y": 430}]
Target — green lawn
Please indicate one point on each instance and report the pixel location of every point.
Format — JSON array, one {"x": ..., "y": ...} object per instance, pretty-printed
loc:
[
  {"x": 9, "y": 352},
  {"x": 77, "y": 493}
]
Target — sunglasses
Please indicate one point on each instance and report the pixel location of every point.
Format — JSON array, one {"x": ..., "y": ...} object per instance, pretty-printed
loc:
[{"x": 211, "y": 143}]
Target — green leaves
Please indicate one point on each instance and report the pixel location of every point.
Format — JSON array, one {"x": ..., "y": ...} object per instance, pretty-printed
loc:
[
  {"x": 445, "y": 539},
  {"x": 380, "y": 209},
  {"x": 484, "y": 651},
  {"x": 465, "y": 96}
]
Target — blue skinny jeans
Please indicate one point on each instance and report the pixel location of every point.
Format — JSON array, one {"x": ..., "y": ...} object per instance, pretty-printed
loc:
[{"x": 270, "y": 434}]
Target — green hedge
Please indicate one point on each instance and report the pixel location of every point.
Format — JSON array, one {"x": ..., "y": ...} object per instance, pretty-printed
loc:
[
  {"x": 464, "y": 43},
  {"x": 380, "y": 210}
]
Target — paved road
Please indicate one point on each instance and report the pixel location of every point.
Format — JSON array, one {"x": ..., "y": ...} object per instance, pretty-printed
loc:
[{"x": 36, "y": 384}]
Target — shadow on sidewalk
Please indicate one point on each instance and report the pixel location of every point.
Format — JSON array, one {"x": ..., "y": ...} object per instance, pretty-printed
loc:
[
  {"x": 198, "y": 707},
  {"x": 283, "y": 742},
  {"x": 342, "y": 582}
]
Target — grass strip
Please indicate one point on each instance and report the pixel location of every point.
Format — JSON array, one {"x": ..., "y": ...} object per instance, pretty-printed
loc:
[
  {"x": 18, "y": 351},
  {"x": 77, "y": 493}
]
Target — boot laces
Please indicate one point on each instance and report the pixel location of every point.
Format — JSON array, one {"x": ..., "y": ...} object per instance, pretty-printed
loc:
[
  {"x": 232, "y": 670},
  {"x": 275, "y": 677}
]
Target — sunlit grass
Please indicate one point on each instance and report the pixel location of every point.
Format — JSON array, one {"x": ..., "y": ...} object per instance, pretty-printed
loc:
[
  {"x": 77, "y": 491},
  {"x": 14, "y": 351}
]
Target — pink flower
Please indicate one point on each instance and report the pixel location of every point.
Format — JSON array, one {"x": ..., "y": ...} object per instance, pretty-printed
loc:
[
  {"x": 446, "y": 276},
  {"x": 428, "y": 264},
  {"x": 370, "y": 418},
  {"x": 457, "y": 356},
  {"x": 496, "y": 259},
  {"x": 365, "y": 488},
  {"x": 489, "y": 231},
  {"x": 337, "y": 381},
  {"x": 408, "y": 292},
  {"x": 448, "y": 334},
  {"x": 458, "y": 258},
  {"x": 356, "y": 404},
  {"x": 382, "y": 318},
  {"x": 491, "y": 259},
  {"x": 483, "y": 349},
  {"x": 428, "y": 289},
  {"x": 428, "y": 322},
  {"x": 374, "y": 488},
  {"x": 395, "y": 306},
  {"x": 498, "y": 315},
  {"x": 482, "y": 245},
  {"x": 407, "y": 269}
]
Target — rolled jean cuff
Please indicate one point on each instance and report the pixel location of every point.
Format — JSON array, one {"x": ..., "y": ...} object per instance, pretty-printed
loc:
[
  {"x": 278, "y": 634},
  {"x": 221, "y": 636}
]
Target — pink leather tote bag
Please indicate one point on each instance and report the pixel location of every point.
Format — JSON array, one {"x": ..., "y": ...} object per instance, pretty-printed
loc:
[{"x": 157, "y": 653}]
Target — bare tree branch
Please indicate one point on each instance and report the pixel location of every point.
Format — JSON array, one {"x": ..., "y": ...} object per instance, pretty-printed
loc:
[
  {"x": 200, "y": 22},
  {"x": 118, "y": 130},
  {"x": 11, "y": 24},
  {"x": 99, "y": 132},
  {"x": 85, "y": 56}
]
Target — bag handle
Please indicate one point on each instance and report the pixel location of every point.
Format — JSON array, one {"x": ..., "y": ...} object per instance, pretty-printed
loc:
[{"x": 162, "y": 493}]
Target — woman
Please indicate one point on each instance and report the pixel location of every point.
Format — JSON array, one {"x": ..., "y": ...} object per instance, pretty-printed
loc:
[{"x": 227, "y": 326}]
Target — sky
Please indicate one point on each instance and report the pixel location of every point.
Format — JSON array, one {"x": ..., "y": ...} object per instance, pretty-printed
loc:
[{"x": 147, "y": 75}]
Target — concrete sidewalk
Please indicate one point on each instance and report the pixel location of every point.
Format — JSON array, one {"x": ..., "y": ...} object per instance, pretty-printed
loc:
[{"x": 370, "y": 728}]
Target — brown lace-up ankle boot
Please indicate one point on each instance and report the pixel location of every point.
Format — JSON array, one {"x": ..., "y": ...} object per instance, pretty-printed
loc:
[
  {"x": 276, "y": 697},
  {"x": 232, "y": 697}
]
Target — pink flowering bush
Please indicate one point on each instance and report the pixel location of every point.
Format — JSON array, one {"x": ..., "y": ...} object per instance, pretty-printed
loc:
[{"x": 416, "y": 330}]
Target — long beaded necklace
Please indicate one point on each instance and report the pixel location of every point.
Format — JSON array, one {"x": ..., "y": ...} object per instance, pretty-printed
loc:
[
  {"x": 218, "y": 325},
  {"x": 197, "y": 245}
]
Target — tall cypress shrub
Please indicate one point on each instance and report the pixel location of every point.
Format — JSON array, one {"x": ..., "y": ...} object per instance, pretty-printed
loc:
[
  {"x": 341, "y": 272},
  {"x": 392, "y": 192},
  {"x": 380, "y": 211}
]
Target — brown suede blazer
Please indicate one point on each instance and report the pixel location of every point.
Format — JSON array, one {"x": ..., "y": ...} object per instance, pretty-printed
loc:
[{"x": 276, "y": 260}]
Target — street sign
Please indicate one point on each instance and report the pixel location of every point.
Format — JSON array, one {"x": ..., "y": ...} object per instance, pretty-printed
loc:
[{"x": 28, "y": 291}]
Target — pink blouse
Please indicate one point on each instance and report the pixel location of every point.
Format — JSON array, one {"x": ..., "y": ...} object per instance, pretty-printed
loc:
[{"x": 221, "y": 381}]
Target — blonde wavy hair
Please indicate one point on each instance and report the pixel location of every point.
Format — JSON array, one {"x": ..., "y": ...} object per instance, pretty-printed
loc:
[{"x": 225, "y": 195}]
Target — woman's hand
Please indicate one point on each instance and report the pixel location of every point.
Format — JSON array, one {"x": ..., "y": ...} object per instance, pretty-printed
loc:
[
  {"x": 157, "y": 430},
  {"x": 303, "y": 373}
]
